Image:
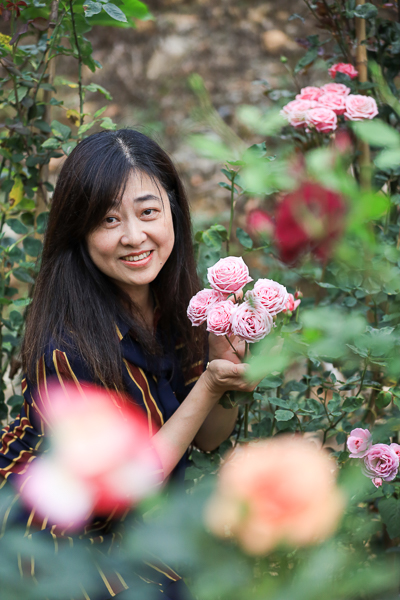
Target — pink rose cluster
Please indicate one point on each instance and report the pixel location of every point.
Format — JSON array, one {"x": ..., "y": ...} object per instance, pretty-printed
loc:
[
  {"x": 381, "y": 461},
  {"x": 251, "y": 319},
  {"x": 319, "y": 108}
]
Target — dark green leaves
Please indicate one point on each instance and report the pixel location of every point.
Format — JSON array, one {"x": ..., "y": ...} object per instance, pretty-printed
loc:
[
  {"x": 114, "y": 12},
  {"x": 366, "y": 11},
  {"x": 244, "y": 238},
  {"x": 389, "y": 509},
  {"x": 17, "y": 226},
  {"x": 32, "y": 246}
]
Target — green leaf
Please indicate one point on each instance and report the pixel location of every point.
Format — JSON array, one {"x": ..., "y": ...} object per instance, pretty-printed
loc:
[
  {"x": 388, "y": 159},
  {"x": 270, "y": 382},
  {"x": 108, "y": 123},
  {"x": 114, "y": 12},
  {"x": 366, "y": 11},
  {"x": 17, "y": 226},
  {"x": 352, "y": 403},
  {"x": 15, "y": 400},
  {"x": 244, "y": 238},
  {"x": 41, "y": 222},
  {"x": 389, "y": 509},
  {"x": 22, "y": 275},
  {"x": 93, "y": 8},
  {"x": 95, "y": 87},
  {"x": 212, "y": 239},
  {"x": 307, "y": 59},
  {"x": 21, "y": 93},
  {"x": 51, "y": 143},
  {"x": 22, "y": 301},
  {"x": 60, "y": 129},
  {"x": 85, "y": 127},
  {"x": 377, "y": 133},
  {"x": 283, "y": 415},
  {"x": 16, "y": 319},
  {"x": 67, "y": 147},
  {"x": 99, "y": 112},
  {"x": 32, "y": 246}
]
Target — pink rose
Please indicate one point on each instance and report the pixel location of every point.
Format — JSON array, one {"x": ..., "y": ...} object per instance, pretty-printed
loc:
[
  {"x": 259, "y": 222},
  {"x": 295, "y": 111},
  {"x": 396, "y": 449},
  {"x": 359, "y": 442},
  {"x": 309, "y": 93},
  {"x": 199, "y": 305},
  {"x": 360, "y": 107},
  {"x": 280, "y": 490},
  {"x": 321, "y": 119},
  {"x": 229, "y": 275},
  {"x": 291, "y": 304},
  {"x": 335, "y": 102},
  {"x": 336, "y": 88},
  {"x": 81, "y": 475},
  {"x": 377, "y": 481},
  {"x": 345, "y": 68},
  {"x": 273, "y": 295},
  {"x": 381, "y": 461},
  {"x": 251, "y": 322},
  {"x": 219, "y": 317}
]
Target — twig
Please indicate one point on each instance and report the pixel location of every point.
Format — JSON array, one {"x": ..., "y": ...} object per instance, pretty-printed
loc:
[{"x": 79, "y": 65}]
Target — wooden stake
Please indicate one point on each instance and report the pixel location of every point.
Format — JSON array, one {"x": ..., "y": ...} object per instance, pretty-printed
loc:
[{"x": 364, "y": 160}]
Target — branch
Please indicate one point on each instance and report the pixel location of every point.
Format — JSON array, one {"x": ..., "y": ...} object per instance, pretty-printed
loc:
[{"x": 79, "y": 64}]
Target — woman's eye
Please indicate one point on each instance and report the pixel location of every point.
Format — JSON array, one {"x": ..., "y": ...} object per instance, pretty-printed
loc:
[
  {"x": 148, "y": 212},
  {"x": 110, "y": 220}
]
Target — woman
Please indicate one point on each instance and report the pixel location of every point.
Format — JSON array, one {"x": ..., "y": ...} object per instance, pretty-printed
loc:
[{"x": 109, "y": 307}]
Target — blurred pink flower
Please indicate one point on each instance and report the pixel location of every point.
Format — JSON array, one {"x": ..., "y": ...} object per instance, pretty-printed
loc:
[
  {"x": 381, "y": 461},
  {"x": 200, "y": 304},
  {"x": 280, "y": 490},
  {"x": 229, "y": 275},
  {"x": 291, "y": 304},
  {"x": 335, "y": 102},
  {"x": 272, "y": 295},
  {"x": 258, "y": 222},
  {"x": 251, "y": 322},
  {"x": 100, "y": 461},
  {"x": 345, "y": 68},
  {"x": 309, "y": 93},
  {"x": 336, "y": 88},
  {"x": 322, "y": 119},
  {"x": 377, "y": 481},
  {"x": 219, "y": 318},
  {"x": 359, "y": 107},
  {"x": 359, "y": 442},
  {"x": 396, "y": 449},
  {"x": 296, "y": 110}
]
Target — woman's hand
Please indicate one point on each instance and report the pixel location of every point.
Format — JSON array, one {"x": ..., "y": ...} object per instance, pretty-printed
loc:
[
  {"x": 219, "y": 347},
  {"x": 224, "y": 375}
]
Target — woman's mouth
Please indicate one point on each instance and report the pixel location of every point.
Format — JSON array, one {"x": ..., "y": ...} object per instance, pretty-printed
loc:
[{"x": 137, "y": 259}]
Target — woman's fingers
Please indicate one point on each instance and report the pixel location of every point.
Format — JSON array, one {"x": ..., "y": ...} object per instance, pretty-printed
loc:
[{"x": 225, "y": 375}]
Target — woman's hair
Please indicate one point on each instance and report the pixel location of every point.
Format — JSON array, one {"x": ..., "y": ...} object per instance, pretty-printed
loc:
[{"x": 75, "y": 305}]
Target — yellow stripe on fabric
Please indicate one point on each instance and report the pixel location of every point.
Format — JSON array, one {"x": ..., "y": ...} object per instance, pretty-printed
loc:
[
  {"x": 161, "y": 571},
  {"x": 122, "y": 580},
  {"x": 54, "y": 539},
  {"x": 44, "y": 524},
  {"x": 105, "y": 580},
  {"x": 179, "y": 346},
  {"x": 78, "y": 385},
  {"x": 119, "y": 334},
  {"x": 60, "y": 379},
  {"x": 29, "y": 522},
  {"x": 151, "y": 396},
  {"x": 143, "y": 396},
  {"x": 84, "y": 592},
  {"x": 192, "y": 380},
  {"x": 165, "y": 565},
  {"x": 7, "y": 514},
  {"x": 20, "y": 565}
]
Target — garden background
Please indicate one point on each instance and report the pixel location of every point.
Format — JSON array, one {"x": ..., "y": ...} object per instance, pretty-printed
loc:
[{"x": 208, "y": 81}]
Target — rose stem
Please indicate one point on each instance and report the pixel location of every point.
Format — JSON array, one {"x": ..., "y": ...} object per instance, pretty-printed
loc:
[{"x": 232, "y": 346}]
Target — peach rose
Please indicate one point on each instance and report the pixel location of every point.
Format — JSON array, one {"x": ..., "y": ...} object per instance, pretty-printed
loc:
[
  {"x": 335, "y": 102},
  {"x": 360, "y": 107},
  {"x": 219, "y": 318},
  {"x": 309, "y": 93},
  {"x": 280, "y": 490},
  {"x": 321, "y": 119},
  {"x": 229, "y": 275},
  {"x": 272, "y": 295},
  {"x": 200, "y": 304},
  {"x": 336, "y": 88},
  {"x": 296, "y": 110},
  {"x": 251, "y": 322},
  {"x": 345, "y": 68}
]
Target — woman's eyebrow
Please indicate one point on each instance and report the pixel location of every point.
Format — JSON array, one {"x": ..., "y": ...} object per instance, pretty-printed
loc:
[{"x": 146, "y": 197}]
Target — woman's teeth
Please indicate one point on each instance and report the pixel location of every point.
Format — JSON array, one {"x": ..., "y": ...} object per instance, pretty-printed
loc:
[{"x": 137, "y": 257}]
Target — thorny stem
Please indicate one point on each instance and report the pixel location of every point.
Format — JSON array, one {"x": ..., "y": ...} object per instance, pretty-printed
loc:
[
  {"x": 362, "y": 378},
  {"x": 79, "y": 65},
  {"x": 232, "y": 211},
  {"x": 232, "y": 346}
]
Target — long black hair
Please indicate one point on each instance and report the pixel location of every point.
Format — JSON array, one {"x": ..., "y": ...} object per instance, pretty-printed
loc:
[{"x": 74, "y": 304}]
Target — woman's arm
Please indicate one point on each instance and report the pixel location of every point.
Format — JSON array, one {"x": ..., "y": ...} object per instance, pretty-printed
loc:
[{"x": 176, "y": 435}]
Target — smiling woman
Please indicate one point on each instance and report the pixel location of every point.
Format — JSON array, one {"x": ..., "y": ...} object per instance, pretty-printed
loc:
[{"x": 109, "y": 307}]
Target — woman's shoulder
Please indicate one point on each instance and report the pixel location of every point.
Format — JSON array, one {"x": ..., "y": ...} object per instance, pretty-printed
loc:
[{"x": 62, "y": 360}]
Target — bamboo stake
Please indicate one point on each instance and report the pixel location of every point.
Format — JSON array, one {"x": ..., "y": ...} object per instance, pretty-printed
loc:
[{"x": 364, "y": 160}]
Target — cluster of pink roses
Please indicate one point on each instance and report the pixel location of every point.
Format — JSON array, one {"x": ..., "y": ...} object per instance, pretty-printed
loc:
[
  {"x": 319, "y": 108},
  {"x": 381, "y": 461},
  {"x": 250, "y": 320}
]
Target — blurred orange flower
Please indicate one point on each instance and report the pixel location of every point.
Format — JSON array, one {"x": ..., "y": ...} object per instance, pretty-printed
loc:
[{"x": 280, "y": 490}]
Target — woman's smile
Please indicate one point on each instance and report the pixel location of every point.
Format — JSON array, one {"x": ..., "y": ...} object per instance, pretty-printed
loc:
[{"x": 136, "y": 237}]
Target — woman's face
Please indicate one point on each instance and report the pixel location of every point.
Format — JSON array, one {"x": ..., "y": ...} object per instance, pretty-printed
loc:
[{"x": 135, "y": 239}]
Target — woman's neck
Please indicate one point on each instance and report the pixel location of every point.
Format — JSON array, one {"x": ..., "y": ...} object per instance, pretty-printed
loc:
[{"x": 143, "y": 299}]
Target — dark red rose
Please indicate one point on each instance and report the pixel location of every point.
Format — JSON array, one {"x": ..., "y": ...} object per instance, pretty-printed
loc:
[{"x": 309, "y": 219}]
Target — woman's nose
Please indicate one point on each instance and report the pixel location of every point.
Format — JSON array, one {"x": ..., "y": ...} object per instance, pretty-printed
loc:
[{"x": 133, "y": 234}]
